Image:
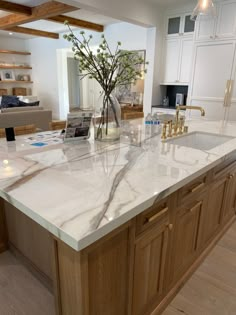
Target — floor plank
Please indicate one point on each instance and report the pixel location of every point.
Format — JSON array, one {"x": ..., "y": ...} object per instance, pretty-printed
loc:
[
  {"x": 212, "y": 288},
  {"x": 20, "y": 292}
]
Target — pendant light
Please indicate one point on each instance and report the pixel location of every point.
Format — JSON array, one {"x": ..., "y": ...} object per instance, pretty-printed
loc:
[{"x": 204, "y": 9}]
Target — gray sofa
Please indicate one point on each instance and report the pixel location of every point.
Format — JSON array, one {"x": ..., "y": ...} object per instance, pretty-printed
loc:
[{"x": 21, "y": 116}]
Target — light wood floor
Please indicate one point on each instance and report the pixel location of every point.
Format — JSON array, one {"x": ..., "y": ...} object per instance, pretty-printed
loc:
[
  {"x": 20, "y": 292},
  {"x": 210, "y": 291},
  {"x": 212, "y": 288}
]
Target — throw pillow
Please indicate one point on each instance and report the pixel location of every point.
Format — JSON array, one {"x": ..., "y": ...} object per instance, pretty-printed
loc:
[
  {"x": 9, "y": 101},
  {"x": 23, "y": 104}
]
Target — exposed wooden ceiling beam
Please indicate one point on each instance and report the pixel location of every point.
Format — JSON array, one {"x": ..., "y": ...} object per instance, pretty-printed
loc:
[
  {"x": 31, "y": 31},
  {"x": 77, "y": 22},
  {"x": 42, "y": 11},
  {"x": 15, "y": 8}
]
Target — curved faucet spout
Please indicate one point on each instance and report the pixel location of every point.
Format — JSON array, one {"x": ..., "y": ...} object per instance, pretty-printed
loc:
[{"x": 179, "y": 107}]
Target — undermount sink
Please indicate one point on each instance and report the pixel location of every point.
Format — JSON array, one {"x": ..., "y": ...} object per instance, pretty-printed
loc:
[{"x": 200, "y": 140}]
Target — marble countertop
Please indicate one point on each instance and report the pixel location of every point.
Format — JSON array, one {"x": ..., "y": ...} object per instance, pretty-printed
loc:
[{"x": 81, "y": 191}]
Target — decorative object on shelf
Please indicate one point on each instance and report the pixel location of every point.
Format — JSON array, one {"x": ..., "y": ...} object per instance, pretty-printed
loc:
[
  {"x": 24, "y": 77},
  {"x": 19, "y": 91},
  {"x": 204, "y": 9},
  {"x": 3, "y": 92},
  {"x": 7, "y": 75},
  {"x": 110, "y": 70}
]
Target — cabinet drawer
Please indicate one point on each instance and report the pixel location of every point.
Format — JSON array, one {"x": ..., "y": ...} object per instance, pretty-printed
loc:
[
  {"x": 225, "y": 167},
  {"x": 152, "y": 215},
  {"x": 192, "y": 189}
]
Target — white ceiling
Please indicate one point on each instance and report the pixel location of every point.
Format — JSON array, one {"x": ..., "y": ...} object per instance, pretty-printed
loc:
[
  {"x": 31, "y": 3},
  {"x": 169, "y": 3}
]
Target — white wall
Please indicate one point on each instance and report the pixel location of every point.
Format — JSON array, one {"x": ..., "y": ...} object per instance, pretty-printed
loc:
[
  {"x": 11, "y": 43},
  {"x": 44, "y": 60}
]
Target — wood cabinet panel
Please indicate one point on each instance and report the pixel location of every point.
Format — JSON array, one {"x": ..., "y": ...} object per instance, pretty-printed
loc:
[
  {"x": 30, "y": 239},
  {"x": 229, "y": 208},
  {"x": 186, "y": 241},
  {"x": 107, "y": 264},
  {"x": 97, "y": 280},
  {"x": 213, "y": 214},
  {"x": 149, "y": 267},
  {"x": 3, "y": 230}
]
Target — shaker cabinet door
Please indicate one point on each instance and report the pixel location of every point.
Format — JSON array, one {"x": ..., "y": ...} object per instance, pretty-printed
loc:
[
  {"x": 149, "y": 266},
  {"x": 205, "y": 29},
  {"x": 213, "y": 216},
  {"x": 226, "y": 23},
  {"x": 185, "y": 60},
  {"x": 212, "y": 68},
  {"x": 186, "y": 237},
  {"x": 171, "y": 65},
  {"x": 230, "y": 200}
]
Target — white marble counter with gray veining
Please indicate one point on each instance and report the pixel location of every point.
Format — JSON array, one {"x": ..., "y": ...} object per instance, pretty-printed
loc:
[{"x": 82, "y": 191}]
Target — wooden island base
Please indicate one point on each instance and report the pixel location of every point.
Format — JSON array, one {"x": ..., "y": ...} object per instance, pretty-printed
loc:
[{"x": 138, "y": 268}]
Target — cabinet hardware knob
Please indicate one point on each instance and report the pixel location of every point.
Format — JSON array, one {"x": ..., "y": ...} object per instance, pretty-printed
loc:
[
  {"x": 170, "y": 226},
  {"x": 231, "y": 176}
]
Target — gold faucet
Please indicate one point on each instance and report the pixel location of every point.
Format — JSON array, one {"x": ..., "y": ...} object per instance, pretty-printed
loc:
[
  {"x": 178, "y": 108},
  {"x": 164, "y": 130}
]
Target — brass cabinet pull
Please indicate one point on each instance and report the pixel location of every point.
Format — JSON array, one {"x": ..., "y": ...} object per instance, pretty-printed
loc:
[
  {"x": 195, "y": 207},
  {"x": 230, "y": 91},
  {"x": 197, "y": 187},
  {"x": 170, "y": 227},
  {"x": 226, "y": 93},
  {"x": 231, "y": 176},
  {"x": 157, "y": 215}
]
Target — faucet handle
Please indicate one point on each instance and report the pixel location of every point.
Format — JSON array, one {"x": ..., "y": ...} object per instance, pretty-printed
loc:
[
  {"x": 170, "y": 123},
  {"x": 164, "y": 130},
  {"x": 181, "y": 125}
]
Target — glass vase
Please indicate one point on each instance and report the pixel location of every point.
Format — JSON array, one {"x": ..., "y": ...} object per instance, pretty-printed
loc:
[{"x": 107, "y": 118}]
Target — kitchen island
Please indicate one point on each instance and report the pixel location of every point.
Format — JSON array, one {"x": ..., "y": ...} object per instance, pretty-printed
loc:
[{"x": 124, "y": 224}]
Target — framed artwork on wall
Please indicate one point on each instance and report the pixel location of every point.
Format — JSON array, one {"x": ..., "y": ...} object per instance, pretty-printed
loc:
[
  {"x": 128, "y": 94},
  {"x": 7, "y": 75}
]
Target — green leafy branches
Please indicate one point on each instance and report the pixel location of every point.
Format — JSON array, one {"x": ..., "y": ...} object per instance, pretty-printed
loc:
[{"x": 109, "y": 69}]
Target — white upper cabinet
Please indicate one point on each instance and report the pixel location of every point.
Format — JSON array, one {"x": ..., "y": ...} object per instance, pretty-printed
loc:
[
  {"x": 185, "y": 62},
  {"x": 205, "y": 29},
  {"x": 178, "y": 60},
  {"x": 179, "y": 25},
  {"x": 222, "y": 27},
  {"x": 172, "y": 53},
  {"x": 226, "y": 26}
]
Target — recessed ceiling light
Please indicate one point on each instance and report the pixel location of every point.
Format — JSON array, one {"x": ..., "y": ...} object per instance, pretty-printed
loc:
[{"x": 10, "y": 33}]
